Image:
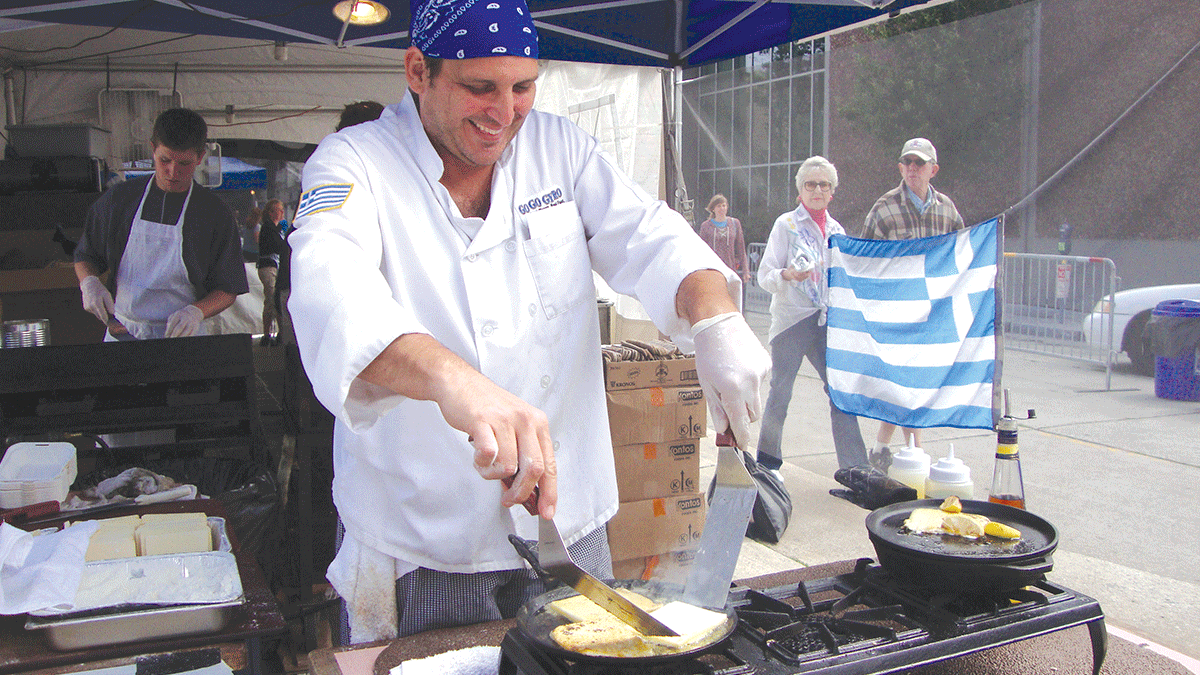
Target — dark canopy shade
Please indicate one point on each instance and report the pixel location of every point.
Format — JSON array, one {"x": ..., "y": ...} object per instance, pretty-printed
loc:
[{"x": 630, "y": 32}]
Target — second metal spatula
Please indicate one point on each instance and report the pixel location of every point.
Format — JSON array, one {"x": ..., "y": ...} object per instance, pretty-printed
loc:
[{"x": 729, "y": 511}]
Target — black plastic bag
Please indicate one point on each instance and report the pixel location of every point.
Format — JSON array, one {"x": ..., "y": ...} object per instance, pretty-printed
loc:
[{"x": 773, "y": 506}]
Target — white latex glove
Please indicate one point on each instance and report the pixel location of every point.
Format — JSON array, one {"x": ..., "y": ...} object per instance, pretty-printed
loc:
[
  {"x": 732, "y": 366},
  {"x": 96, "y": 298},
  {"x": 184, "y": 322}
]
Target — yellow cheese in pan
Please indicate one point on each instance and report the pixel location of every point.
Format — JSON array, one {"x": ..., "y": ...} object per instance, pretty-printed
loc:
[
  {"x": 604, "y": 635},
  {"x": 149, "y": 518},
  {"x": 579, "y": 608},
  {"x": 115, "y": 542},
  {"x": 170, "y": 537}
]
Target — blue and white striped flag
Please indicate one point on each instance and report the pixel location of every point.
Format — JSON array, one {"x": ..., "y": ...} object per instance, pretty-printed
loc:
[{"x": 912, "y": 328}]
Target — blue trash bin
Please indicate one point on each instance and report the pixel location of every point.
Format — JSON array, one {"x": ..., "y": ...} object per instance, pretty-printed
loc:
[{"x": 1175, "y": 375}]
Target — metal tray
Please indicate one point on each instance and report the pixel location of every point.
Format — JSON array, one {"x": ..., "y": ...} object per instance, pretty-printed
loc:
[
  {"x": 131, "y": 599},
  {"x": 152, "y": 581},
  {"x": 123, "y": 627}
]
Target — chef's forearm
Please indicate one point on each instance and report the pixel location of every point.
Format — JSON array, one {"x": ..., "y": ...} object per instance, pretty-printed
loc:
[
  {"x": 417, "y": 366},
  {"x": 703, "y": 294}
]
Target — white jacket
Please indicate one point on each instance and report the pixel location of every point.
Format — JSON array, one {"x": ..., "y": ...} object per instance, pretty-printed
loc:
[
  {"x": 516, "y": 301},
  {"x": 793, "y": 302}
]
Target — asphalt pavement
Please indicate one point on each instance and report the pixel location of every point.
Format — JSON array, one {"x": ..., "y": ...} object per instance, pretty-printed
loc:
[{"x": 1116, "y": 471}]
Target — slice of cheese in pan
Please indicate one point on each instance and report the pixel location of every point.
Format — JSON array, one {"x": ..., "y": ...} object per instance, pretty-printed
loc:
[
  {"x": 924, "y": 521},
  {"x": 116, "y": 542},
  {"x": 695, "y": 625},
  {"x": 173, "y": 517},
  {"x": 579, "y": 608},
  {"x": 606, "y": 635},
  {"x": 170, "y": 537}
]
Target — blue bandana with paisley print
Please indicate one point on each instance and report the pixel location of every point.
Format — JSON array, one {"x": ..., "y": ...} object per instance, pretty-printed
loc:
[{"x": 470, "y": 29}]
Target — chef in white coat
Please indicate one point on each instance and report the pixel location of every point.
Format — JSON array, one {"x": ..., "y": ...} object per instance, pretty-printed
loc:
[
  {"x": 444, "y": 307},
  {"x": 171, "y": 247}
]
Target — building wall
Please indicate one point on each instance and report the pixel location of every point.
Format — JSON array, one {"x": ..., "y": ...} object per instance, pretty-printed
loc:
[{"x": 1137, "y": 183}]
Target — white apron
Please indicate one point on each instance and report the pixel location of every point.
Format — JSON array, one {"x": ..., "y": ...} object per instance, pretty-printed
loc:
[{"x": 152, "y": 281}]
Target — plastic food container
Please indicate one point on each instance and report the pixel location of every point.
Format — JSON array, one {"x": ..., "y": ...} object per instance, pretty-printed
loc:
[
  {"x": 36, "y": 472},
  {"x": 151, "y": 597}
]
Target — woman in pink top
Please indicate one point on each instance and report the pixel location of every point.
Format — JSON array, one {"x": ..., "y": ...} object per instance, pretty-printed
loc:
[{"x": 724, "y": 235}]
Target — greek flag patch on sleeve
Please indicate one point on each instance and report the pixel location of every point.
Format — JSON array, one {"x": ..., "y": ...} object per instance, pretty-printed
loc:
[{"x": 323, "y": 198}]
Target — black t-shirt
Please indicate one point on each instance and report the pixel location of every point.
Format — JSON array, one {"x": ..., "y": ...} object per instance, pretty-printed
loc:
[{"x": 212, "y": 245}]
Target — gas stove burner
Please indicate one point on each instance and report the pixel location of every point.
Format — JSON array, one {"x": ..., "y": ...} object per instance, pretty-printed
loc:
[{"x": 859, "y": 622}]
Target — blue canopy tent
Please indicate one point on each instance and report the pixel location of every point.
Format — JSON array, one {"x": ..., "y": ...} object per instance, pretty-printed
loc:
[
  {"x": 235, "y": 175},
  {"x": 663, "y": 33}
]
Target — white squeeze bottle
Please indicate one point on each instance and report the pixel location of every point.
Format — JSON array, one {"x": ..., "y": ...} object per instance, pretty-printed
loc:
[
  {"x": 911, "y": 467},
  {"x": 949, "y": 476}
]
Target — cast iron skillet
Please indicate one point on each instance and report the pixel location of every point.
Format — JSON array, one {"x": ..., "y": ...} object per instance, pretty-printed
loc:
[
  {"x": 536, "y": 621},
  {"x": 962, "y": 565}
]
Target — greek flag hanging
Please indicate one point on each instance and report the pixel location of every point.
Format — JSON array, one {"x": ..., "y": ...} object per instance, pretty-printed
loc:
[{"x": 912, "y": 328}]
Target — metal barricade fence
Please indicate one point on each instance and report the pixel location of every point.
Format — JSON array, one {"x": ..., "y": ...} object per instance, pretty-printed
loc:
[
  {"x": 1051, "y": 305},
  {"x": 754, "y": 298}
]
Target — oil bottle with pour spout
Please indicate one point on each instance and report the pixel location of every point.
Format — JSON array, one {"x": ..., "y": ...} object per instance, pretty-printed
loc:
[{"x": 1008, "y": 487}]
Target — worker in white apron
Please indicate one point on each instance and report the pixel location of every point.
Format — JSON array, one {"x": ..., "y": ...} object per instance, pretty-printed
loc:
[{"x": 152, "y": 281}]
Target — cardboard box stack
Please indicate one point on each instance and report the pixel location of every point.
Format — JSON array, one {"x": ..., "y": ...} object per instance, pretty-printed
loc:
[{"x": 656, "y": 415}]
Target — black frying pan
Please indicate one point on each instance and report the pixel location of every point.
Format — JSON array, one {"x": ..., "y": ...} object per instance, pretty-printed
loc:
[
  {"x": 536, "y": 620},
  {"x": 958, "y": 564}
]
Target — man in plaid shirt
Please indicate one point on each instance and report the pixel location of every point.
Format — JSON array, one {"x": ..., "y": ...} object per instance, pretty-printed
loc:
[
  {"x": 914, "y": 209},
  {"x": 910, "y": 211}
]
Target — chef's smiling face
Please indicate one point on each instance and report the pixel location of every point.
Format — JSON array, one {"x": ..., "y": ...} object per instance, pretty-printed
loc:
[
  {"x": 173, "y": 169},
  {"x": 473, "y": 108}
]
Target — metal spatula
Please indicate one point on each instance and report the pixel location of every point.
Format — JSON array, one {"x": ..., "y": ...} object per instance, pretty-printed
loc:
[
  {"x": 729, "y": 512},
  {"x": 553, "y": 556}
]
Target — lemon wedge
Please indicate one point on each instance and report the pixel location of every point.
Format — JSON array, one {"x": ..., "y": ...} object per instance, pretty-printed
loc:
[{"x": 1001, "y": 530}]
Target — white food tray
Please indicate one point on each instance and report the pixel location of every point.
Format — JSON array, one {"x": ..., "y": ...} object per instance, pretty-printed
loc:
[{"x": 36, "y": 472}]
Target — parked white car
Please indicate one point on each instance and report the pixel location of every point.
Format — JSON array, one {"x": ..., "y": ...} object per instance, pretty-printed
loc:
[{"x": 1131, "y": 310}]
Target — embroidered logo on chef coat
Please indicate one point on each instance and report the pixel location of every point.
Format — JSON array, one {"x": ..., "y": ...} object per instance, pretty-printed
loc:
[
  {"x": 542, "y": 201},
  {"x": 323, "y": 198}
]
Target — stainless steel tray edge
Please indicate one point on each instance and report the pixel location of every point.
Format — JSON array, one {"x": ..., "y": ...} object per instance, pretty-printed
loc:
[{"x": 152, "y": 624}]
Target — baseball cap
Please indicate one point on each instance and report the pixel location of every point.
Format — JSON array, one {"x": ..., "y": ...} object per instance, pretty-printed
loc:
[{"x": 921, "y": 147}]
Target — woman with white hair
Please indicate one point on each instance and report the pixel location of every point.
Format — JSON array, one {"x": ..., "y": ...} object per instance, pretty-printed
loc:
[{"x": 793, "y": 270}]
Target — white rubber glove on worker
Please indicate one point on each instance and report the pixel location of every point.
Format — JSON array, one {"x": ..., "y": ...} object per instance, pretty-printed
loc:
[
  {"x": 732, "y": 366},
  {"x": 96, "y": 298},
  {"x": 184, "y": 322}
]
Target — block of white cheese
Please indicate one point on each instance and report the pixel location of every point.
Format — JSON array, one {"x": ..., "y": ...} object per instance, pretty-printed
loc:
[
  {"x": 173, "y": 536},
  {"x": 112, "y": 539},
  {"x": 579, "y": 608},
  {"x": 109, "y": 544},
  {"x": 149, "y": 518}
]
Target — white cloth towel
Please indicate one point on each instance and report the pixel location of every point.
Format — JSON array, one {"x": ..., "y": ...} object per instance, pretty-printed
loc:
[
  {"x": 469, "y": 661},
  {"x": 43, "y": 570}
]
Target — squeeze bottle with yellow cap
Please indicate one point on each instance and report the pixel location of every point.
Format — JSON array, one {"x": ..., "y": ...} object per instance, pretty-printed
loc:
[
  {"x": 949, "y": 476},
  {"x": 911, "y": 467}
]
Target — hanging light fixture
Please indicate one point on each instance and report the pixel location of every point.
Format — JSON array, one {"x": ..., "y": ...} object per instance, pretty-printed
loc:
[{"x": 361, "y": 12}]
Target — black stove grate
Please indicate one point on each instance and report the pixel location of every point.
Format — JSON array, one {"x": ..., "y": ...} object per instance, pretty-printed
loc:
[{"x": 859, "y": 623}]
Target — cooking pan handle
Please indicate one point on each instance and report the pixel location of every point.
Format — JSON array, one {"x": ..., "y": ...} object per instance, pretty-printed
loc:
[
  {"x": 1035, "y": 566},
  {"x": 526, "y": 551}
]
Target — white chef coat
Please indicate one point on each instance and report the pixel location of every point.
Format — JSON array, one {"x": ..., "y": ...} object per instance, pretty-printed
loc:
[
  {"x": 512, "y": 295},
  {"x": 790, "y": 301}
]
